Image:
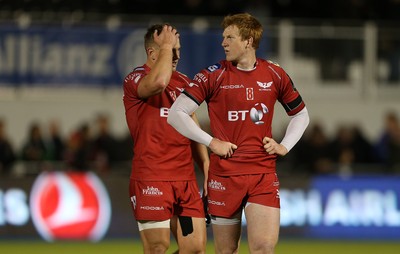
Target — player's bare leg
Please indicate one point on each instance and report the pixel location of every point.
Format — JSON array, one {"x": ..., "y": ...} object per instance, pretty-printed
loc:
[
  {"x": 174, "y": 229},
  {"x": 262, "y": 228},
  {"x": 155, "y": 240},
  {"x": 194, "y": 242},
  {"x": 226, "y": 238}
]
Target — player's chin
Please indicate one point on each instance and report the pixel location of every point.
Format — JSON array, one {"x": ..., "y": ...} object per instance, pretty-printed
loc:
[{"x": 229, "y": 58}]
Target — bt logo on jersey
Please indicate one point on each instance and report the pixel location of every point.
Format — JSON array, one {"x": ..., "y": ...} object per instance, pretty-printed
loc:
[
  {"x": 256, "y": 113},
  {"x": 234, "y": 116},
  {"x": 70, "y": 205}
]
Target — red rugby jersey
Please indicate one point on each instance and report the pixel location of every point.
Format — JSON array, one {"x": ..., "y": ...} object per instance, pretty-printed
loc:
[
  {"x": 241, "y": 106},
  {"x": 160, "y": 152}
]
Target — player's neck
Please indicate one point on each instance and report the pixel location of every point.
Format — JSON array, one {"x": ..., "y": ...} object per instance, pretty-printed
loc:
[
  {"x": 248, "y": 63},
  {"x": 149, "y": 63}
]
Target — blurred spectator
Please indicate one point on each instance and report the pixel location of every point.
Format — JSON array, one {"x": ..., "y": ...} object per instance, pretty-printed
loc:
[
  {"x": 350, "y": 147},
  {"x": 362, "y": 146},
  {"x": 34, "y": 149},
  {"x": 55, "y": 143},
  {"x": 124, "y": 148},
  {"x": 313, "y": 152},
  {"x": 104, "y": 144},
  {"x": 7, "y": 155},
  {"x": 79, "y": 150},
  {"x": 388, "y": 146}
]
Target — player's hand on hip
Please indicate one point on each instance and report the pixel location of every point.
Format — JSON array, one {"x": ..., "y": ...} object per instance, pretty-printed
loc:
[
  {"x": 272, "y": 147},
  {"x": 167, "y": 38},
  {"x": 222, "y": 148}
]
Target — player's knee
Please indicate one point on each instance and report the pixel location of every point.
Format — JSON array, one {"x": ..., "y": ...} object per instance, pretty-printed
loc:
[
  {"x": 227, "y": 250},
  {"x": 199, "y": 244},
  {"x": 263, "y": 247},
  {"x": 159, "y": 247},
  {"x": 197, "y": 248},
  {"x": 193, "y": 248},
  {"x": 196, "y": 244},
  {"x": 197, "y": 240}
]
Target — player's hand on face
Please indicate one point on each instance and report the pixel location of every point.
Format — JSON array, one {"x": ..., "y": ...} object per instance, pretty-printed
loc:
[
  {"x": 168, "y": 37},
  {"x": 222, "y": 148},
  {"x": 272, "y": 147}
]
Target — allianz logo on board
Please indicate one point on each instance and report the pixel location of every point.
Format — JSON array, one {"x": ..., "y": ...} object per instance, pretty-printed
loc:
[{"x": 130, "y": 52}]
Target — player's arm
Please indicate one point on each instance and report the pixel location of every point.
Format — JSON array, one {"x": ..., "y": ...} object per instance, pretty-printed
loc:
[
  {"x": 179, "y": 118},
  {"x": 295, "y": 129},
  {"x": 200, "y": 155},
  {"x": 160, "y": 74}
]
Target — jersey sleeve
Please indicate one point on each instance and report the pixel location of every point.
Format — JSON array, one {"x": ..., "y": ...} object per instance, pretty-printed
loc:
[
  {"x": 131, "y": 82},
  {"x": 289, "y": 96},
  {"x": 203, "y": 83}
]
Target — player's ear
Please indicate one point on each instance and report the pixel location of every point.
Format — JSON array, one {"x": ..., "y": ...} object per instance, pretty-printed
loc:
[
  {"x": 151, "y": 53},
  {"x": 250, "y": 42},
  {"x": 148, "y": 50}
]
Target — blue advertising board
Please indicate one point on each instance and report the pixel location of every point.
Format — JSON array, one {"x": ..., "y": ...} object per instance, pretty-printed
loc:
[
  {"x": 360, "y": 207},
  {"x": 89, "y": 56},
  {"x": 56, "y": 56},
  {"x": 364, "y": 208},
  {"x": 44, "y": 55}
]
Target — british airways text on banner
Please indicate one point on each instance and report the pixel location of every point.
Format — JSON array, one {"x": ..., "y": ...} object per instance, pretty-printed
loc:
[{"x": 362, "y": 207}]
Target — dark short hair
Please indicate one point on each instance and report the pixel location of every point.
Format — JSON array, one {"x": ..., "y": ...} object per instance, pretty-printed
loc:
[{"x": 149, "y": 36}]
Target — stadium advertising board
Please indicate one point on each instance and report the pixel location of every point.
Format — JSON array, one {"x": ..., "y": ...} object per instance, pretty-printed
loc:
[
  {"x": 360, "y": 207},
  {"x": 70, "y": 206},
  {"x": 62, "y": 206},
  {"x": 319, "y": 207},
  {"x": 94, "y": 56}
]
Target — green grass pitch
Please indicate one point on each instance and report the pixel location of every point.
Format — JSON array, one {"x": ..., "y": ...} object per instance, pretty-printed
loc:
[{"x": 133, "y": 247}]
